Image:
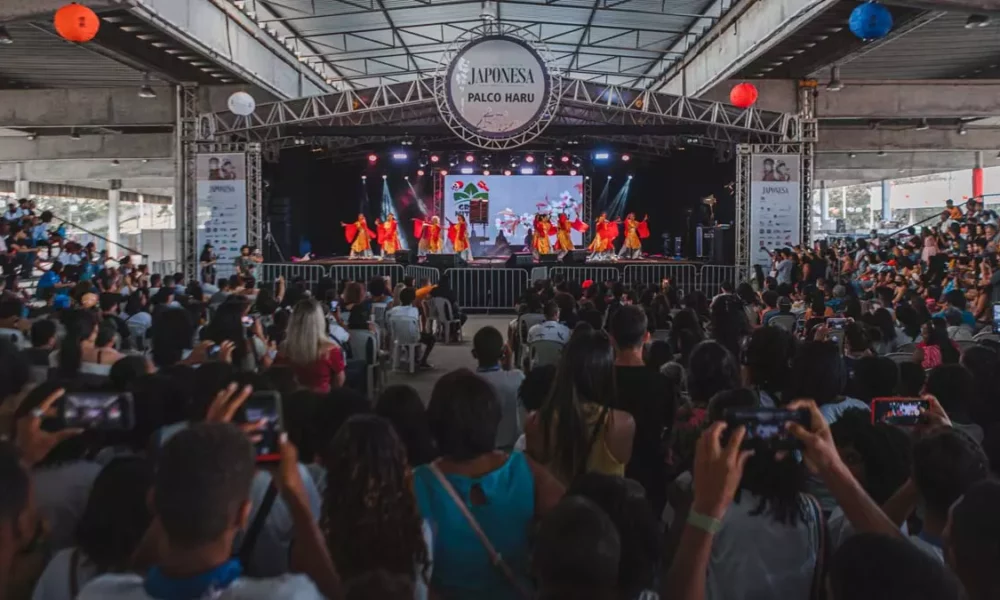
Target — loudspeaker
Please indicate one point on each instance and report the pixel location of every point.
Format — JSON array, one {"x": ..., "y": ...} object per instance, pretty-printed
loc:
[
  {"x": 402, "y": 257},
  {"x": 576, "y": 257},
  {"x": 520, "y": 260},
  {"x": 444, "y": 261},
  {"x": 548, "y": 259}
]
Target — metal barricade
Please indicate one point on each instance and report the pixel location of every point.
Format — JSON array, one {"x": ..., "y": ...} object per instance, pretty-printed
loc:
[
  {"x": 310, "y": 274},
  {"x": 419, "y": 273},
  {"x": 485, "y": 289},
  {"x": 581, "y": 274},
  {"x": 539, "y": 274},
  {"x": 365, "y": 271},
  {"x": 681, "y": 276},
  {"x": 713, "y": 276}
]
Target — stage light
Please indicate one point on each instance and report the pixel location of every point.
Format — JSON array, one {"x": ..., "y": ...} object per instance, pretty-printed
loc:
[
  {"x": 486, "y": 161},
  {"x": 527, "y": 171},
  {"x": 435, "y": 158},
  {"x": 372, "y": 158},
  {"x": 630, "y": 178},
  {"x": 577, "y": 162},
  {"x": 564, "y": 158},
  {"x": 587, "y": 178},
  {"x": 397, "y": 156},
  {"x": 549, "y": 161},
  {"x": 384, "y": 177},
  {"x": 466, "y": 170},
  {"x": 514, "y": 163},
  {"x": 420, "y": 172},
  {"x": 572, "y": 172},
  {"x": 406, "y": 177},
  {"x": 626, "y": 157},
  {"x": 486, "y": 172},
  {"x": 423, "y": 159},
  {"x": 470, "y": 158},
  {"x": 444, "y": 172},
  {"x": 529, "y": 159},
  {"x": 507, "y": 172},
  {"x": 609, "y": 176},
  {"x": 364, "y": 178},
  {"x": 453, "y": 160},
  {"x": 549, "y": 172},
  {"x": 602, "y": 156}
]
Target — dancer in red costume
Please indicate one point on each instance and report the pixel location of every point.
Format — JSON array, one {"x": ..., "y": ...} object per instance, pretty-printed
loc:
[
  {"x": 360, "y": 237},
  {"x": 543, "y": 229},
  {"x": 458, "y": 233},
  {"x": 564, "y": 228},
  {"x": 635, "y": 232}
]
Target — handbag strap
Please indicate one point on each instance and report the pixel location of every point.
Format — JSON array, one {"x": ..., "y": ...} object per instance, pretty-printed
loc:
[
  {"x": 822, "y": 550},
  {"x": 257, "y": 525},
  {"x": 74, "y": 568},
  {"x": 495, "y": 558}
]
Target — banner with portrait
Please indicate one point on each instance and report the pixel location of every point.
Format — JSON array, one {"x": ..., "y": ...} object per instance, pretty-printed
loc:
[
  {"x": 775, "y": 205},
  {"x": 222, "y": 204}
]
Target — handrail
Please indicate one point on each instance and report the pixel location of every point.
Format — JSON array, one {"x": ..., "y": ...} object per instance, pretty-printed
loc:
[
  {"x": 935, "y": 216},
  {"x": 106, "y": 240}
]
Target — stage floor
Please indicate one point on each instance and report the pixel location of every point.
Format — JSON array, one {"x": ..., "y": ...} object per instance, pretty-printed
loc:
[{"x": 500, "y": 262}]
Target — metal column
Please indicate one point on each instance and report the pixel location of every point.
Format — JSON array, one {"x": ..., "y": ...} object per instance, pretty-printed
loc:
[{"x": 185, "y": 189}]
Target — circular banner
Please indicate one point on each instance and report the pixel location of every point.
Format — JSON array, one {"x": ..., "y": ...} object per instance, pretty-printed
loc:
[{"x": 498, "y": 90}]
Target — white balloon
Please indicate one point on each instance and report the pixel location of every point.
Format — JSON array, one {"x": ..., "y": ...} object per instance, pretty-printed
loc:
[{"x": 242, "y": 103}]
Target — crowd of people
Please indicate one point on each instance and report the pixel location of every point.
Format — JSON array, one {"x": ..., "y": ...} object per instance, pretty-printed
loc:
[{"x": 593, "y": 453}]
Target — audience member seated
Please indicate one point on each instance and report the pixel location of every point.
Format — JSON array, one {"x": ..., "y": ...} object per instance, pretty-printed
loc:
[
  {"x": 410, "y": 318},
  {"x": 318, "y": 362},
  {"x": 494, "y": 358},
  {"x": 550, "y": 330},
  {"x": 79, "y": 351},
  {"x": 401, "y": 405},
  {"x": 43, "y": 342}
]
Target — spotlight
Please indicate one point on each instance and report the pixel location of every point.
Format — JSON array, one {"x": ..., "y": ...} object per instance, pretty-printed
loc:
[
  {"x": 405, "y": 177},
  {"x": 507, "y": 172},
  {"x": 977, "y": 21},
  {"x": 549, "y": 161},
  {"x": 529, "y": 159},
  {"x": 420, "y": 172},
  {"x": 572, "y": 172},
  {"x": 602, "y": 155},
  {"x": 564, "y": 158},
  {"x": 626, "y": 157},
  {"x": 577, "y": 163},
  {"x": 962, "y": 130},
  {"x": 514, "y": 162},
  {"x": 922, "y": 126},
  {"x": 32, "y": 136},
  {"x": 470, "y": 158},
  {"x": 486, "y": 161},
  {"x": 74, "y": 134},
  {"x": 835, "y": 84},
  {"x": 587, "y": 178},
  {"x": 453, "y": 161},
  {"x": 372, "y": 158},
  {"x": 609, "y": 176},
  {"x": 398, "y": 156},
  {"x": 486, "y": 172},
  {"x": 384, "y": 177},
  {"x": 423, "y": 159},
  {"x": 852, "y": 155},
  {"x": 466, "y": 170},
  {"x": 443, "y": 172},
  {"x": 5, "y": 38},
  {"x": 146, "y": 90},
  {"x": 527, "y": 171},
  {"x": 435, "y": 158},
  {"x": 630, "y": 178},
  {"x": 364, "y": 178},
  {"x": 549, "y": 172}
]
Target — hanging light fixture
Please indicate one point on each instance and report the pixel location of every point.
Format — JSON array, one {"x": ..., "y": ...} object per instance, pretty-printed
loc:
[
  {"x": 146, "y": 90},
  {"x": 923, "y": 125},
  {"x": 835, "y": 84},
  {"x": 5, "y": 38}
]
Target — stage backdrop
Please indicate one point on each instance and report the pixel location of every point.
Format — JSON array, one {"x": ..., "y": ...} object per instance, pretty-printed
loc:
[
  {"x": 774, "y": 205},
  {"x": 498, "y": 203},
  {"x": 222, "y": 203}
]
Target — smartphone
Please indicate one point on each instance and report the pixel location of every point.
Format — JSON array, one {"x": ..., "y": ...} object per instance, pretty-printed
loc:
[
  {"x": 104, "y": 411},
  {"x": 996, "y": 317},
  {"x": 333, "y": 305},
  {"x": 836, "y": 323},
  {"x": 213, "y": 352},
  {"x": 264, "y": 408},
  {"x": 248, "y": 321},
  {"x": 765, "y": 427},
  {"x": 898, "y": 411}
]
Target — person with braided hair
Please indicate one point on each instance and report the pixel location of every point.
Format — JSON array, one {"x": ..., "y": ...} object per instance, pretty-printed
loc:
[{"x": 370, "y": 515}]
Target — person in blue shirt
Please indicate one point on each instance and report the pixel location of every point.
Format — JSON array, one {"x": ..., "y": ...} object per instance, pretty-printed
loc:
[
  {"x": 51, "y": 281},
  {"x": 956, "y": 299}
]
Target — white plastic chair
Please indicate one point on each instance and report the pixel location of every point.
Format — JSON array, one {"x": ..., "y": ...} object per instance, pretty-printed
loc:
[
  {"x": 964, "y": 345},
  {"x": 900, "y": 357},
  {"x": 545, "y": 352},
  {"x": 441, "y": 312},
  {"x": 906, "y": 348},
  {"x": 405, "y": 335},
  {"x": 786, "y": 322},
  {"x": 524, "y": 323},
  {"x": 983, "y": 336},
  {"x": 364, "y": 344},
  {"x": 16, "y": 337}
]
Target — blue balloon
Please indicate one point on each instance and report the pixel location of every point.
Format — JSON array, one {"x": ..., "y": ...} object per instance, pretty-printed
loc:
[{"x": 870, "y": 21}]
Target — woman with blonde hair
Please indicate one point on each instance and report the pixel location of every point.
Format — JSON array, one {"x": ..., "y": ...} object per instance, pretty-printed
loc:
[{"x": 318, "y": 362}]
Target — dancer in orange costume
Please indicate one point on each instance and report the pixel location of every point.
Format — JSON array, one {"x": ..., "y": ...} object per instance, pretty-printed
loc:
[
  {"x": 429, "y": 234},
  {"x": 635, "y": 232},
  {"x": 564, "y": 228},
  {"x": 542, "y": 230},
  {"x": 360, "y": 237},
  {"x": 602, "y": 247},
  {"x": 458, "y": 233},
  {"x": 388, "y": 236}
]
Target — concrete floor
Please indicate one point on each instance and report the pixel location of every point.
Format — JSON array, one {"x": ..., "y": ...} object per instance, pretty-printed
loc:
[{"x": 448, "y": 357}]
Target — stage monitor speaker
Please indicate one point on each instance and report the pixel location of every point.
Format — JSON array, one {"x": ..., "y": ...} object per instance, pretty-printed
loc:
[
  {"x": 576, "y": 257},
  {"x": 520, "y": 260},
  {"x": 444, "y": 261},
  {"x": 548, "y": 259},
  {"x": 402, "y": 257}
]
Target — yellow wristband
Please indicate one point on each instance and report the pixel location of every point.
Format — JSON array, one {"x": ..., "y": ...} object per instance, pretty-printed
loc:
[{"x": 705, "y": 523}]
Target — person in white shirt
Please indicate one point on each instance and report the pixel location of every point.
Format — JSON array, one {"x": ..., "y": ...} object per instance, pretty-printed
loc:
[
  {"x": 550, "y": 329},
  {"x": 200, "y": 501},
  {"x": 494, "y": 359},
  {"x": 408, "y": 316}
]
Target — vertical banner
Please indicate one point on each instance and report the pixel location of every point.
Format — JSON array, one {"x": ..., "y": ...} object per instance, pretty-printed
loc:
[
  {"x": 222, "y": 204},
  {"x": 775, "y": 205}
]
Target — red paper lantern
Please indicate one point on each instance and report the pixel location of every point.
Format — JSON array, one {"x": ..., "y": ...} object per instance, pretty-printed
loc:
[
  {"x": 743, "y": 95},
  {"x": 77, "y": 23}
]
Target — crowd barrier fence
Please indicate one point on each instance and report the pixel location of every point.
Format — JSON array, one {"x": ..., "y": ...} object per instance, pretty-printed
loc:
[
  {"x": 418, "y": 274},
  {"x": 364, "y": 272},
  {"x": 581, "y": 274},
  {"x": 486, "y": 289},
  {"x": 713, "y": 276},
  {"x": 291, "y": 271},
  {"x": 539, "y": 274},
  {"x": 684, "y": 277}
]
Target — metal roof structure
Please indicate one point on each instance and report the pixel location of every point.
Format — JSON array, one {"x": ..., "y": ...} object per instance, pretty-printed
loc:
[{"x": 369, "y": 43}]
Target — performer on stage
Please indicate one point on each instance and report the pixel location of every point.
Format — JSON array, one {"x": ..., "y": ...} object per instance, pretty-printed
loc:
[
  {"x": 360, "y": 237},
  {"x": 458, "y": 233},
  {"x": 602, "y": 247},
  {"x": 635, "y": 232},
  {"x": 564, "y": 243},
  {"x": 543, "y": 229},
  {"x": 388, "y": 236},
  {"x": 429, "y": 234}
]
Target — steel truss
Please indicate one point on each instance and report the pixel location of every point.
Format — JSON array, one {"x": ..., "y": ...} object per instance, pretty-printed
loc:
[
  {"x": 588, "y": 207},
  {"x": 581, "y": 102},
  {"x": 186, "y": 201}
]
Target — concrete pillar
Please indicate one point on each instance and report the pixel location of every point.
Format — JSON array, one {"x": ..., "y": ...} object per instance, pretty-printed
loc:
[
  {"x": 114, "y": 225},
  {"x": 886, "y": 195},
  {"x": 22, "y": 187},
  {"x": 824, "y": 203},
  {"x": 142, "y": 207},
  {"x": 911, "y": 216},
  {"x": 977, "y": 176},
  {"x": 843, "y": 203}
]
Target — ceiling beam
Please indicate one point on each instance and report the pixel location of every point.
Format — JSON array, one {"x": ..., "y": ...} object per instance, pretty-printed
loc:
[
  {"x": 106, "y": 147},
  {"x": 869, "y": 140},
  {"x": 90, "y": 171},
  {"x": 14, "y": 10},
  {"x": 85, "y": 107}
]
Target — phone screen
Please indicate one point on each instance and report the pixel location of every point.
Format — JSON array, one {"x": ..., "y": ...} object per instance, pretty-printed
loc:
[
  {"x": 98, "y": 410},
  {"x": 264, "y": 408},
  {"x": 247, "y": 321},
  {"x": 213, "y": 352},
  {"x": 333, "y": 305},
  {"x": 766, "y": 426},
  {"x": 898, "y": 411},
  {"x": 836, "y": 323},
  {"x": 996, "y": 317}
]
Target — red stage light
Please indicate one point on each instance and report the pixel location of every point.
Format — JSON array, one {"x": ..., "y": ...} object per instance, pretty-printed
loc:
[
  {"x": 565, "y": 158},
  {"x": 529, "y": 159},
  {"x": 507, "y": 172},
  {"x": 572, "y": 172},
  {"x": 444, "y": 172},
  {"x": 486, "y": 172},
  {"x": 626, "y": 157},
  {"x": 420, "y": 173},
  {"x": 470, "y": 158},
  {"x": 372, "y": 158},
  {"x": 435, "y": 158},
  {"x": 549, "y": 172}
]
